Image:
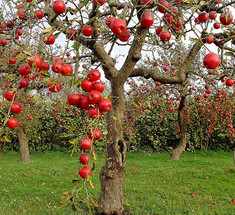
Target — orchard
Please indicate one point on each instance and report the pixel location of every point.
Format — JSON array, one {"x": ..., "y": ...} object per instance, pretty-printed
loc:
[{"x": 123, "y": 60}]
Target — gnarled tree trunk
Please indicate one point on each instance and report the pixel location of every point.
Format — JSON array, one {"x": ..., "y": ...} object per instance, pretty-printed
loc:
[
  {"x": 24, "y": 147},
  {"x": 175, "y": 154},
  {"x": 112, "y": 175}
]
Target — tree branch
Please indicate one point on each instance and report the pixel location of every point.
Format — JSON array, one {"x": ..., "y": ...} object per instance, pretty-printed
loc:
[{"x": 157, "y": 76}]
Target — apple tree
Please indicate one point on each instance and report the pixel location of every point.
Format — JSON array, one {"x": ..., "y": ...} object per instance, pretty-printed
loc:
[{"x": 117, "y": 37}]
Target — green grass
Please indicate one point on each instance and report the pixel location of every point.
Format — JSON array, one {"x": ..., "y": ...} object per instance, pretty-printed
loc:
[{"x": 154, "y": 185}]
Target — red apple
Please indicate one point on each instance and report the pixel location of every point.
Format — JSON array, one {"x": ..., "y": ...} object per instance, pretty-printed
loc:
[
  {"x": 211, "y": 61},
  {"x": 24, "y": 69},
  {"x": 12, "y": 123},
  {"x": 99, "y": 86},
  {"x": 85, "y": 171},
  {"x": 57, "y": 67},
  {"x": 16, "y": 108},
  {"x": 209, "y": 39},
  {"x": 203, "y": 17},
  {"x": 212, "y": 15},
  {"x": 98, "y": 2},
  {"x": 9, "y": 94},
  {"x": 216, "y": 25},
  {"x": 163, "y": 3},
  {"x": 158, "y": 30},
  {"x": 9, "y": 24},
  {"x": 124, "y": 36},
  {"x": 67, "y": 69},
  {"x": 165, "y": 36},
  {"x": 54, "y": 87},
  {"x": 84, "y": 102},
  {"x": 87, "y": 85},
  {"x": 39, "y": 14},
  {"x": 59, "y": 7},
  {"x": 84, "y": 159},
  {"x": 24, "y": 82},
  {"x": 229, "y": 82},
  {"x": 146, "y": 19},
  {"x": 95, "y": 134},
  {"x": 87, "y": 30},
  {"x": 110, "y": 20},
  {"x": 94, "y": 97},
  {"x": 49, "y": 39},
  {"x": 72, "y": 34},
  {"x": 3, "y": 41},
  {"x": 226, "y": 18},
  {"x": 118, "y": 26},
  {"x": 94, "y": 112},
  {"x": 44, "y": 66},
  {"x": 74, "y": 99},
  {"x": 85, "y": 143},
  {"x": 105, "y": 105},
  {"x": 35, "y": 60},
  {"x": 94, "y": 75}
]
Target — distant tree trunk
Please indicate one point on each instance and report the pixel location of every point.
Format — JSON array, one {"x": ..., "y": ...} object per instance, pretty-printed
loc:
[
  {"x": 112, "y": 175},
  {"x": 175, "y": 154},
  {"x": 24, "y": 147}
]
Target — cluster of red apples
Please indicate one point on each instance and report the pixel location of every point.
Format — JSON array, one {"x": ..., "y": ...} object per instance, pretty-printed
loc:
[{"x": 95, "y": 105}]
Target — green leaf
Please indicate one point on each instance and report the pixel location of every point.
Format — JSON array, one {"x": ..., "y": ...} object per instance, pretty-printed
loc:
[
  {"x": 7, "y": 139},
  {"x": 21, "y": 55},
  {"x": 47, "y": 80},
  {"x": 194, "y": 39},
  {"x": 74, "y": 141},
  {"x": 76, "y": 45},
  {"x": 203, "y": 3},
  {"x": 10, "y": 77},
  {"x": 70, "y": 75},
  {"x": 227, "y": 16},
  {"x": 47, "y": 30},
  {"x": 70, "y": 83},
  {"x": 5, "y": 121},
  {"x": 115, "y": 117},
  {"x": 46, "y": 73},
  {"x": 78, "y": 82},
  {"x": 135, "y": 103},
  {"x": 56, "y": 35},
  {"x": 165, "y": 28},
  {"x": 67, "y": 135},
  {"x": 230, "y": 54}
]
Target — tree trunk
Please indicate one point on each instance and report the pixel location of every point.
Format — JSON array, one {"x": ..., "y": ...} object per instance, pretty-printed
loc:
[
  {"x": 175, "y": 154},
  {"x": 24, "y": 147},
  {"x": 112, "y": 175}
]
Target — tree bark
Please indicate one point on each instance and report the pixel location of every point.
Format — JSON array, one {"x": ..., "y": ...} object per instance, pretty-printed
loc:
[
  {"x": 112, "y": 175},
  {"x": 175, "y": 154},
  {"x": 24, "y": 147}
]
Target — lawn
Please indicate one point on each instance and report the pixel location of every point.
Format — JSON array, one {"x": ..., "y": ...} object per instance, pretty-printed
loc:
[{"x": 154, "y": 184}]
